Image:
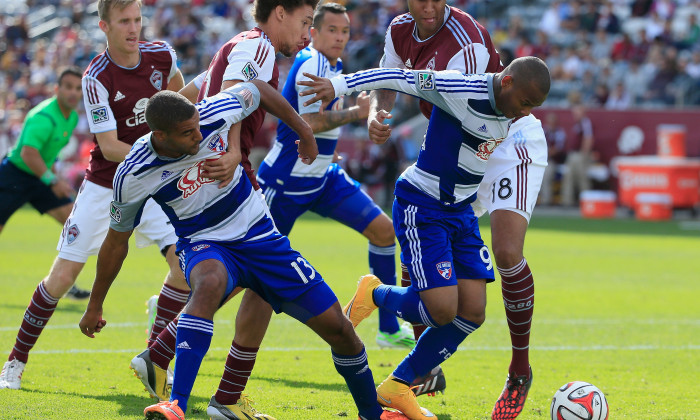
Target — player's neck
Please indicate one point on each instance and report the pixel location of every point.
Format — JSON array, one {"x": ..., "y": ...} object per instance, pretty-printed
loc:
[
  {"x": 66, "y": 111},
  {"x": 272, "y": 32},
  {"x": 124, "y": 59}
]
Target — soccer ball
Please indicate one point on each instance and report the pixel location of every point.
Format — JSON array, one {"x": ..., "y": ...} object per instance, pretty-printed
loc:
[{"x": 579, "y": 401}]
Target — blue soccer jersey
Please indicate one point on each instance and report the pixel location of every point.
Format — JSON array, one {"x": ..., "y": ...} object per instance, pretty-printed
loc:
[
  {"x": 282, "y": 167},
  {"x": 198, "y": 209},
  {"x": 449, "y": 168}
]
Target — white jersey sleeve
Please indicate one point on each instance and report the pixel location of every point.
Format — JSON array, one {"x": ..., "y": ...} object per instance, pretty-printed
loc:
[
  {"x": 477, "y": 60},
  {"x": 199, "y": 79},
  {"x": 311, "y": 66},
  {"x": 447, "y": 89},
  {"x": 390, "y": 59},
  {"x": 129, "y": 197},
  {"x": 246, "y": 63},
  {"x": 173, "y": 67},
  {"x": 232, "y": 105},
  {"x": 96, "y": 100}
]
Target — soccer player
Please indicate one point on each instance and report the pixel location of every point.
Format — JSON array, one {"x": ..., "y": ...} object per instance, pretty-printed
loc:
[
  {"x": 27, "y": 173},
  {"x": 227, "y": 239},
  {"x": 435, "y": 36},
  {"x": 282, "y": 27},
  {"x": 292, "y": 188},
  {"x": 116, "y": 87},
  {"x": 433, "y": 219}
]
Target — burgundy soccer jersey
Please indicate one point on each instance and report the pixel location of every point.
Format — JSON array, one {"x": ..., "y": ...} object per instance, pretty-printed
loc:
[
  {"x": 247, "y": 56},
  {"x": 115, "y": 98},
  {"x": 460, "y": 44}
]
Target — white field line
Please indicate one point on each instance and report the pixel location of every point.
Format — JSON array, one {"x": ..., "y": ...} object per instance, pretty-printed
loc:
[
  {"x": 551, "y": 321},
  {"x": 464, "y": 348}
]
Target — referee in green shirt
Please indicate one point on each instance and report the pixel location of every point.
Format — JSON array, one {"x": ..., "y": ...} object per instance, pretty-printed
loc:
[{"x": 26, "y": 173}]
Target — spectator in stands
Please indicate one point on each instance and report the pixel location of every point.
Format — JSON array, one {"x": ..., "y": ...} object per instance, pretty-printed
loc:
[
  {"x": 619, "y": 98},
  {"x": 579, "y": 158},
  {"x": 556, "y": 156}
]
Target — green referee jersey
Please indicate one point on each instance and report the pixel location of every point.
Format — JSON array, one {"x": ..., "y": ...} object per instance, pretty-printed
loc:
[{"x": 45, "y": 129}]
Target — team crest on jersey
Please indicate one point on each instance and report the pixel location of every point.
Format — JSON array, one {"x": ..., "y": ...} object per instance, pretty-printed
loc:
[
  {"x": 487, "y": 147},
  {"x": 249, "y": 72},
  {"x": 431, "y": 64},
  {"x": 192, "y": 180},
  {"x": 72, "y": 233},
  {"x": 445, "y": 269},
  {"x": 200, "y": 247},
  {"x": 216, "y": 144},
  {"x": 426, "y": 81},
  {"x": 157, "y": 79},
  {"x": 115, "y": 212},
  {"x": 99, "y": 115}
]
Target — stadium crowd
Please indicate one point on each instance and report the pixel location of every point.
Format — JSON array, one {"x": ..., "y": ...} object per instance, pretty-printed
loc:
[{"x": 615, "y": 54}]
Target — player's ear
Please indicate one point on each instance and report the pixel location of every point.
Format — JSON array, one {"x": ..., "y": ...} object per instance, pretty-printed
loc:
[
  {"x": 313, "y": 31},
  {"x": 507, "y": 81},
  {"x": 104, "y": 26},
  {"x": 280, "y": 13}
]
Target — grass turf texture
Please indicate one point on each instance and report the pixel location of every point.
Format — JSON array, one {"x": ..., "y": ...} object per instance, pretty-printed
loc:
[{"x": 615, "y": 306}]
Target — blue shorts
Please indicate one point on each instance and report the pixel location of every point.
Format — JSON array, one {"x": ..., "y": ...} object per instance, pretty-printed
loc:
[
  {"x": 339, "y": 198},
  {"x": 439, "y": 247},
  {"x": 18, "y": 187},
  {"x": 271, "y": 268}
]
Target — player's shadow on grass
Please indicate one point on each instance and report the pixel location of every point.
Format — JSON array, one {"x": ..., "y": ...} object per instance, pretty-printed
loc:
[
  {"x": 292, "y": 383},
  {"x": 130, "y": 405}
]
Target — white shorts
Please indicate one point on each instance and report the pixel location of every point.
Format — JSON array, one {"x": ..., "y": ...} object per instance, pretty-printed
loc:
[
  {"x": 514, "y": 171},
  {"x": 88, "y": 223}
]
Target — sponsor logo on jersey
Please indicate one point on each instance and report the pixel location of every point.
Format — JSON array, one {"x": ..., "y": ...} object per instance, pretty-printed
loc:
[
  {"x": 408, "y": 63},
  {"x": 72, "y": 233},
  {"x": 115, "y": 212},
  {"x": 119, "y": 96},
  {"x": 431, "y": 64},
  {"x": 99, "y": 115},
  {"x": 487, "y": 147},
  {"x": 192, "y": 180},
  {"x": 445, "y": 269},
  {"x": 426, "y": 81},
  {"x": 216, "y": 144},
  {"x": 157, "y": 79},
  {"x": 482, "y": 129},
  {"x": 165, "y": 175},
  {"x": 200, "y": 247},
  {"x": 249, "y": 72},
  {"x": 139, "y": 111}
]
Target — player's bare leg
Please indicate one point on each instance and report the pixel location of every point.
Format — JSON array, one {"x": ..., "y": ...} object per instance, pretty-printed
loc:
[
  {"x": 382, "y": 249},
  {"x": 508, "y": 231}
]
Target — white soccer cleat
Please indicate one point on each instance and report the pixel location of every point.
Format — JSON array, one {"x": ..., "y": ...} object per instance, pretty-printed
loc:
[
  {"x": 11, "y": 375},
  {"x": 401, "y": 339}
]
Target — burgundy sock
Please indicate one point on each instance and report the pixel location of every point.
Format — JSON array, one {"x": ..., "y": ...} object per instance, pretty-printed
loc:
[
  {"x": 518, "y": 289},
  {"x": 35, "y": 319},
  {"x": 162, "y": 351},
  {"x": 239, "y": 365},
  {"x": 170, "y": 303}
]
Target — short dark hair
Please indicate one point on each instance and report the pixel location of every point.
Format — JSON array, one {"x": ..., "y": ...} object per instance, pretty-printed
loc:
[
  {"x": 321, "y": 10},
  {"x": 531, "y": 69},
  {"x": 73, "y": 70},
  {"x": 262, "y": 8},
  {"x": 167, "y": 108}
]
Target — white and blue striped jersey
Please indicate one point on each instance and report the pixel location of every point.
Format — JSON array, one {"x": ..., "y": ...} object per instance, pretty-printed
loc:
[
  {"x": 449, "y": 168},
  {"x": 197, "y": 208},
  {"x": 282, "y": 167}
]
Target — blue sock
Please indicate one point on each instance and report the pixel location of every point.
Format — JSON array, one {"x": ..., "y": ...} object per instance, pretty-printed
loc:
[
  {"x": 382, "y": 264},
  {"x": 192, "y": 342},
  {"x": 404, "y": 302},
  {"x": 358, "y": 376},
  {"x": 434, "y": 347}
]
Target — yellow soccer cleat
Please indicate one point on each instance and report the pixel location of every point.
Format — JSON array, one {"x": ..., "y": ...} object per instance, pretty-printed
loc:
[
  {"x": 399, "y": 396},
  {"x": 242, "y": 410},
  {"x": 362, "y": 304},
  {"x": 153, "y": 377}
]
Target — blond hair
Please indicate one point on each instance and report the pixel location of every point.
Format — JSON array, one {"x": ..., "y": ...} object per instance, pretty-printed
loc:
[{"x": 105, "y": 6}]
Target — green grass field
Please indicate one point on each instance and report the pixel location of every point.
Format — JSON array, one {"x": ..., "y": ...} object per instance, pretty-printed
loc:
[{"x": 616, "y": 306}]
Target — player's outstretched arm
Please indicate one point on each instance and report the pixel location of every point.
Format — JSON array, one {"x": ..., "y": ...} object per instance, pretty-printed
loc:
[
  {"x": 275, "y": 104},
  {"x": 109, "y": 262}
]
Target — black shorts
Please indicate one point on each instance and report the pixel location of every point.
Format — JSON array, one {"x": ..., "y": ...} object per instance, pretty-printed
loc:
[{"x": 18, "y": 187}]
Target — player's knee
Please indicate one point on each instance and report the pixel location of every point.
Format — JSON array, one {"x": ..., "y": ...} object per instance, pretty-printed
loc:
[
  {"x": 507, "y": 253},
  {"x": 381, "y": 231},
  {"x": 475, "y": 315},
  {"x": 443, "y": 314}
]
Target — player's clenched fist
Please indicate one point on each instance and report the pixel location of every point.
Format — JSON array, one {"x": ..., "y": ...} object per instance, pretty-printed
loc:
[
  {"x": 378, "y": 131},
  {"x": 91, "y": 322}
]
